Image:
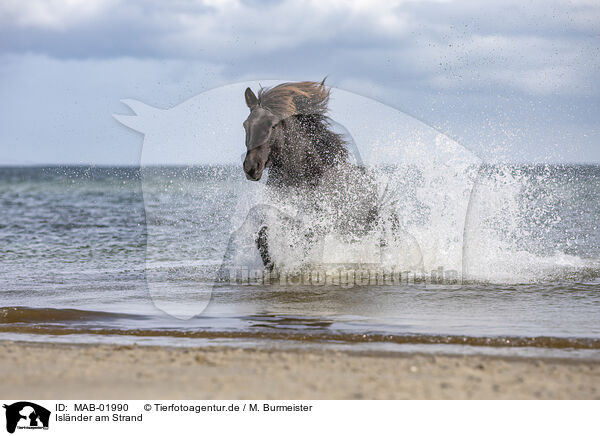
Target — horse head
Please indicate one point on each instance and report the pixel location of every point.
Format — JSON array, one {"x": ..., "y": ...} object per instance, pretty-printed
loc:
[{"x": 261, "y": 133}]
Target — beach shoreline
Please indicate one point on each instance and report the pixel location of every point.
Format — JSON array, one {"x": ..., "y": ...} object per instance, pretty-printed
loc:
[{"x": 90, "y": 371}]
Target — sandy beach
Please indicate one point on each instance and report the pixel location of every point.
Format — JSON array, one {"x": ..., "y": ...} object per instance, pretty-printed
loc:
[{"x": 70, "y": 371}]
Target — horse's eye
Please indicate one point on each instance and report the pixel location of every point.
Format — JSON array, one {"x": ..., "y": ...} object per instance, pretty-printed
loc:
[{"x": 274, "y": 127}]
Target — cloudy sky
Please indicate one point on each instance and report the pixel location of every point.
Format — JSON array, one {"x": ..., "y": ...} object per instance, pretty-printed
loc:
[{"x": 510, "y": 80}]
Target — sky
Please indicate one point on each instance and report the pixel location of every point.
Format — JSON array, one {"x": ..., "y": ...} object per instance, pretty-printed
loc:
[{"x": 512, "y": 81}]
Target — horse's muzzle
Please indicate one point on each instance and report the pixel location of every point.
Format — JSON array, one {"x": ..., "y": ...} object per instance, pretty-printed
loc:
[
  {"x": 253, "y": 167},
  {"x": 254, "y": 176}
]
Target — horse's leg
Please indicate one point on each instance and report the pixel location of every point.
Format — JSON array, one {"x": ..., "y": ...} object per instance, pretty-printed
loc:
[
  {"x": 262, "y": 244},
  {"x": 398, "y": 245},
  {"x": 389, "y": 229}
]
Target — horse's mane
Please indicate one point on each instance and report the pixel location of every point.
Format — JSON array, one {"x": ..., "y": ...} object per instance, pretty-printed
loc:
[{"x": 299, "y": 98}]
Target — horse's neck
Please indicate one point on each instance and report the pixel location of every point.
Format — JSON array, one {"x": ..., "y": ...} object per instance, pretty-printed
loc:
[{"x": 296, "y": 163}]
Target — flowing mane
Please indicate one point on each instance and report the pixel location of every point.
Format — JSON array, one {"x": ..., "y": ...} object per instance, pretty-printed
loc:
[{"x": 300, "y": 98}]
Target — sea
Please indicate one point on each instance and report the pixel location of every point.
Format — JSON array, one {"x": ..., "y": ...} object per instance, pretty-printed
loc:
[{"x": 126, "y": 255}]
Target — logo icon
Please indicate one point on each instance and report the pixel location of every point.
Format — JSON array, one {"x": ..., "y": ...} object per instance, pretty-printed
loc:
[{"x": 26, "y": 415}]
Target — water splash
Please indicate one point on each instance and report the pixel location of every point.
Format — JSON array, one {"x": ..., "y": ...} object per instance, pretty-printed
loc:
[{"x": 500, "y": 224}]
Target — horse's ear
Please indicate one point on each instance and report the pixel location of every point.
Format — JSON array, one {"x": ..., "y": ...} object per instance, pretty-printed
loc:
[{"x": 251, "y": 99}]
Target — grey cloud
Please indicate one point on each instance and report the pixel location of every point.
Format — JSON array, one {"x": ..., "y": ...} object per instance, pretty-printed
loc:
[{"x": 441, "y": 45}]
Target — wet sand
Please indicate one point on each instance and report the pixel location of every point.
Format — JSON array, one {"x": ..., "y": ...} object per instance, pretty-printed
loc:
[{"x": 70, "y": 371}]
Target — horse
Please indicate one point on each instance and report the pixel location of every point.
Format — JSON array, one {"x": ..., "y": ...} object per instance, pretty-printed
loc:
[{"x": 288, "y": 132}]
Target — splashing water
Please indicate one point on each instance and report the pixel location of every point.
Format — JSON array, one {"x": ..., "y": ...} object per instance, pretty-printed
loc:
[
  {"x": 532, "y": 223},
  {"x": 501, "y": 224}
]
